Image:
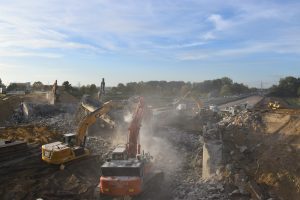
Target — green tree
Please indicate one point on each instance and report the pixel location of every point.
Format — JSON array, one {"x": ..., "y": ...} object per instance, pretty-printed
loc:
[
  {"x": 225, "y": 90},
  {"x": 1, "y": 83},
  {"x": 287, "y": 87},
  {"x": 226, "y": 81},
  {"x": 38, "y": 85},
  {"x": 67, "y": 86},
  {"x": 121, "y": 88},
  {"x": 93, "y": 89},
  {"x": 298, "y": 92},
  {"x": 12, "y": 86},
  {"x": 83, "y": 90}
]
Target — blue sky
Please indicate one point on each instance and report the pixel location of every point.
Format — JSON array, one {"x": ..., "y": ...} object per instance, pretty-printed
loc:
[{"x": 126, "y": 40}]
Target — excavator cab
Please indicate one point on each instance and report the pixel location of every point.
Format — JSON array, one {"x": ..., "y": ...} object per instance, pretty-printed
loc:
[
  {"x": 70, "y": 139},
  {"x": 119, "y": 153}
]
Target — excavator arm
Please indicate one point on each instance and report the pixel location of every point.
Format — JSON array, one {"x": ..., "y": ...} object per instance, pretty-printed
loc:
[
  {"x": 189, "y": 94},
  {"x": 133, "y": 145},
  {"x": 198, "y": 102},
  {"x": 91, "y": 119},
  {"x": 89, "y": 106}
]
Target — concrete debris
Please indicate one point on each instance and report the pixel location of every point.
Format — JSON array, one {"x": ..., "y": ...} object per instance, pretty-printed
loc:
[
  {"x": 243, "y": 149},
  {"x": 255, "y": 190},
  {"x": 243, "y": 155},
  {"x": 183, "y": 175}
]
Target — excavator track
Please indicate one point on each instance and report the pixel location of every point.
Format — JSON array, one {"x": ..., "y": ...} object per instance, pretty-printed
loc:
[{"x": 152, "y": 185}]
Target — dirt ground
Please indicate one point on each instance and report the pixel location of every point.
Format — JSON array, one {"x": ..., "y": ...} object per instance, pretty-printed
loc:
[
  {"x": 26, "y": 176},
  {"x": 280, "y": 159}
]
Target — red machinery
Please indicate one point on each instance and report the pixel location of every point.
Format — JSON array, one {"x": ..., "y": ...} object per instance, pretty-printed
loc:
[
  {"x": 133, "y": 146},
  {"x": 128, "y": 172}
]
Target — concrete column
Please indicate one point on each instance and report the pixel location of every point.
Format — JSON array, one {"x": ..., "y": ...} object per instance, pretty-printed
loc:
[{"x": 212, "y": 158}]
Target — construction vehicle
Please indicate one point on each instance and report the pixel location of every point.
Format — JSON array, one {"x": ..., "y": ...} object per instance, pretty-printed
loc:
[
  {"x": 188, "y": 108},
  {"x": 274, "y": 105},
  {"x": 73, "y": 146},
  {"x": 89, "y": 105},
  {"x": 129, "y": 172}
]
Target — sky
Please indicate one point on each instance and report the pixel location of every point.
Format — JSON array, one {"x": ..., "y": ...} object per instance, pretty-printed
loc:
[{"x": 250, "y": 41}]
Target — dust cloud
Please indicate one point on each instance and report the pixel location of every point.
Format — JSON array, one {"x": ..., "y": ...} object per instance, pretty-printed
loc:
[{"x": 165, "y": 155}]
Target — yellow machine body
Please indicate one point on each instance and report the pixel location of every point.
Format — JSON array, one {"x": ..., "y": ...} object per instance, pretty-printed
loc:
[{"x": 59, "y": 153}]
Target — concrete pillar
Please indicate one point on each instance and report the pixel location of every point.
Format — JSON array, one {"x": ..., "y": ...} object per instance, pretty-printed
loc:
[
  {"x": 212, "y": 158},
  {"x": 27, "y": 110}
]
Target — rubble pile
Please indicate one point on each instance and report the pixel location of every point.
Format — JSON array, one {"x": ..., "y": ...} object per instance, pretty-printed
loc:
[
  {"x": 30, "y": 133},
  {"x": 7, "y": 106},
  {"x": 259, "y": 157},
  {"x": 46, "y": 123},
  {"x": 30, "y": 109},
  {"x": 245, "y": 119},
  {"x": 62, "y": 122},
  {"x": 98, "y": 145},
  {"x": 181, "y": 161}
]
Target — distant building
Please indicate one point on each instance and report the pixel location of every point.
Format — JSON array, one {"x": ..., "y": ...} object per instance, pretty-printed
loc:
[
  {"x": 2, "y": 90},
  {"x": 24, "y": 87}
]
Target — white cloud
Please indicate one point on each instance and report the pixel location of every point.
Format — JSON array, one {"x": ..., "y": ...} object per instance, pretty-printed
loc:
[
  {"x": 194, "y": 56},
  {"x": 16, "y": 53},
  {"x": 39, "y": 28},
  {"x": 7, "y": 66},
  {"x": 209, "y": 36},
  {"x": 278, "y": 47},
  {"x": 219, "y": 22}
]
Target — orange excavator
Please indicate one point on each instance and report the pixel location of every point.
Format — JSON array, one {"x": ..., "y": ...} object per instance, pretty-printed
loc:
[{"x": 129, "y": 172}]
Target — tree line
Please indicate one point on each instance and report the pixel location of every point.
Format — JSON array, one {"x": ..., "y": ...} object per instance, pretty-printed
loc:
[
  {"x": 66, "y": 85},
  {"x": 287, "y": 87},
  {"x": 208, "y": 88}
]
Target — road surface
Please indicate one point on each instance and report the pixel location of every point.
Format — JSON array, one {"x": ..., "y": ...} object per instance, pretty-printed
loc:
[{"x": 251, "y": 101}]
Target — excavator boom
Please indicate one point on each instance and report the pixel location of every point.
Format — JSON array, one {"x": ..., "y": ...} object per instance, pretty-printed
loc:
[
  {"x": 91, "y": 119},
  {"x": 73, "y": 146},
  {"x": 129, "y": 173},
  {"x": 133, "y": 146}
]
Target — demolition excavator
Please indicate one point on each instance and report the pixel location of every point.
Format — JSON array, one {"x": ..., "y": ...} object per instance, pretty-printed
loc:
[
  {"x": 129, "y": 172},
  {"x": 188, "y": 108},
  {"x": 73, "y": 146}
]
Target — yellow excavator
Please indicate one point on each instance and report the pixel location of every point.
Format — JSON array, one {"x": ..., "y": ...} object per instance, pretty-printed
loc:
[
  {"x": 274, "y": 105},
  {"x": 73, "y": 146},
  {"x": 199, "y": 103}
]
